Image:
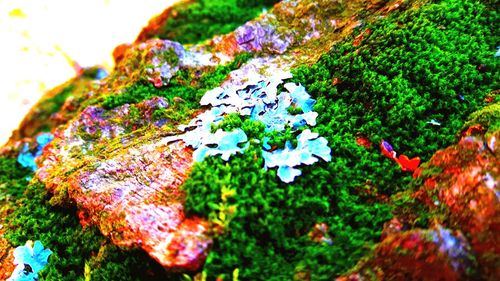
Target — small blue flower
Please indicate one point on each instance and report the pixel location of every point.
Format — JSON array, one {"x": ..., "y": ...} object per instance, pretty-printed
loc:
[
  {"x": 101, "y": 74},
  {"x": 44, "y": 139},
  {"x": 387, "y": 146},
  {"x": 35, "y": 256},
  {"x": 26, "y": 158}
]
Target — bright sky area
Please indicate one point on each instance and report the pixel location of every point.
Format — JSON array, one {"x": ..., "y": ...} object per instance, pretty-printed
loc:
[{"x": 37, "y": 34}]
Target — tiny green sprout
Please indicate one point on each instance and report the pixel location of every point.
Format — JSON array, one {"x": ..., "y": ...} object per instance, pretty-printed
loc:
[
  {"x": 87, "y": 272},
  {"x": 236, "y": 274}
]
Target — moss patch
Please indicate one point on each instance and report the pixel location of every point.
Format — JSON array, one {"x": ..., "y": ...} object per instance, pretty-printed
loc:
[
  {"x": 202, "y": 19},
  {"x": 73, "y": 247},
  {"x": 183, "y": 93},
  {"x": 435, "y": 62},
  {"x": 13, "y": 180}
]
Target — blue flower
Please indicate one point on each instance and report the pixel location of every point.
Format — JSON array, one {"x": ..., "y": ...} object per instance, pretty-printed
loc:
[
  {"x": 43, "y": 140},
  {"x": 101, "y": 74},
  {"x": 387, "y": 146},
  {"x": 35, "y": 256},
  {"x": 27, "y": 158}
]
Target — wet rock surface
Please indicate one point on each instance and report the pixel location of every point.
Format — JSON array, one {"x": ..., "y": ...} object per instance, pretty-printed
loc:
[{"x": 132, "y": 196}]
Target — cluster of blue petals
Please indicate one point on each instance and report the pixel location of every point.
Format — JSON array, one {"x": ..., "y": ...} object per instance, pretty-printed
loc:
[
  {"x": 261, "y": 102},
  {"x": 27, "y": 158},
  {"x": 29, "y": 260}
]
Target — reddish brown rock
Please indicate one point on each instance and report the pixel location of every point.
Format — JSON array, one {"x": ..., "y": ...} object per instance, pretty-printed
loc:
[
  {"x": 127, "y": 183},
  {"x": 133, "y": 197},
  {"x": 468, "y": 187},
  {"x": 6, "y": 259},
  {"x": 435, "y": 254}
]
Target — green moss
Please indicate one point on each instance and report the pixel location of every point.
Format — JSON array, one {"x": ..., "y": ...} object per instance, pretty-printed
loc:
[
  {"x": 170, "y": 57},
  {"x": 230, "y": 122},
  {"x": 159, "y": 114},
  {"x": 183, "y": 86},
  {"x": 267, "y": 238},
  {"x": 203, "y": 19},
  {"x": 73, "y": 247},
  {"x": 488, "y": 117},
  {"x": 411, "y": 69},
  {"x": 294, "y": 110},
  {"x": 13, "y": 179},
  {"x": 55, "y": 103}
]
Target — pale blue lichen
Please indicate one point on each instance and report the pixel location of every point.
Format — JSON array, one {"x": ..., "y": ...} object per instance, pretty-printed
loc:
[
  {"x": 30, "y": 259},
  {"x": 309, "y": 147},
  {"x": 223, "y": 143},
  {"x": 261, "y": 102}
]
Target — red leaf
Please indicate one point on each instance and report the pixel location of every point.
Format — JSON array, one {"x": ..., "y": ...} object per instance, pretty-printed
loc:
[{"x": 408, "y": 165}]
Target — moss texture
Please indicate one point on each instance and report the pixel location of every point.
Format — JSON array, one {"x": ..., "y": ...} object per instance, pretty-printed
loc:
[
  {"x": 202, "y": 19},
  {"x": 432, "y": 63},
  {"x": 435, "y": 62},
  {"x": 184, "y": 91},
  {"x": 75, "y": 248},
  {"x": 13, "y": 180}
]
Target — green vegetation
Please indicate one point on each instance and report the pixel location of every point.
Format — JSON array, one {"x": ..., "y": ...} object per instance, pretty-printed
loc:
[
  {"x": 432, "y": 63},
  {"x": 415, "y": 66},
  {"x": 267, "y": 238},
  {"x": 13, "y": 179},
  {"x": 183, "y": 86},
  {"x": 409, "y": 71},
  {"x": 73, "y": 247},
  {"x": 203, "y": 19},
  {"x": 55, "y": 103},
  {"x": 488, "y": 117}
]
